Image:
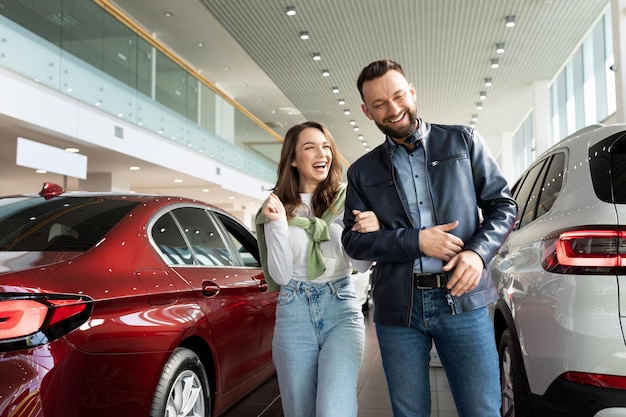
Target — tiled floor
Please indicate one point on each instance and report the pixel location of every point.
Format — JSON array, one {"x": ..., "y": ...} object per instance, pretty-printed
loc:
[{"x": 372, "y": 387}]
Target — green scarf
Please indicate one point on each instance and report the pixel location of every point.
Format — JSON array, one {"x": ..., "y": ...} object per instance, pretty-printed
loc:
[{"x": 316, "y": 227}]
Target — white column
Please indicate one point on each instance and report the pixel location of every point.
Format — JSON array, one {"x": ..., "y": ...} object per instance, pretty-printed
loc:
[
  {"x": 506, "y": 157},
  {"x": 541, "y": 116},
  {"x": 618, "y": 17}
]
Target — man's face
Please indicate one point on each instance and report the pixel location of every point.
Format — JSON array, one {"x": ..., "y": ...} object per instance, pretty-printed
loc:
[{"x": 390, "y": 102}]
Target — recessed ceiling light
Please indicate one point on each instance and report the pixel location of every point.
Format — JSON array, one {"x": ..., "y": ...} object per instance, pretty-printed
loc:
[
  {"x": 361, "y": 137},
  {"x": 200, "y": 44},
  {"x": 509, "y": 21},
  {"x": 353, "y": 122},
  {"x": 341, "y": 102},
  {"x": 168, "y": 14}
]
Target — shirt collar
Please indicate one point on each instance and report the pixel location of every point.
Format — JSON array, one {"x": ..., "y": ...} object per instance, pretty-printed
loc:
[{"x": 421, "y": 134}]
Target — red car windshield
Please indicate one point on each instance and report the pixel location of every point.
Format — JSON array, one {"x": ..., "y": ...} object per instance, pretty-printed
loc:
[{"x": 72, "y": 224}]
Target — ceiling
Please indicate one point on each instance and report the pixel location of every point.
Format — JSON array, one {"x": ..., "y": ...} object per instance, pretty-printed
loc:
[{"x": 252, "y": 51}]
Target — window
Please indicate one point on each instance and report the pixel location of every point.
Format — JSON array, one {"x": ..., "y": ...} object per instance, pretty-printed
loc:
[
  {"x": 552, "y": 184},
  {"x": 244, "y": 242},
  {"x": 68, "y": 224},
  {"x": 170, "y": 241},
  {"x": 203, "y": 235},
  {"x": 607, "y": 162},
  {"x": 525, "y": 199}
]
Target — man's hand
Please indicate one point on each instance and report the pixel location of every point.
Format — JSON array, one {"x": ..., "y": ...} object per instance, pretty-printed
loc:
[
  {"x": 436, "y": 242},
  {"x": 468, "y": 269},
  {"x": 365, "y": 222}
]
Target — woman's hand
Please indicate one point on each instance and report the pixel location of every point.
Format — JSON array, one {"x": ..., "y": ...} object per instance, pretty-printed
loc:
[
  {"x": 365, "y": 222},
  {"x": 273, "y": 208}
]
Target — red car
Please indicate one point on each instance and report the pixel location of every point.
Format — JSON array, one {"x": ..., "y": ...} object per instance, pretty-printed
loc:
[{"x": 128, "y": 305}]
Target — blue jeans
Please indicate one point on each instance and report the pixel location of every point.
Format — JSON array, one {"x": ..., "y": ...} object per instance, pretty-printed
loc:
[
  {"x": 467, "y": 349},
  {"x": 319, "y": 337}
]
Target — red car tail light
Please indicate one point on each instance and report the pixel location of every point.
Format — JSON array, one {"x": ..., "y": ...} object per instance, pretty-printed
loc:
[
  {"x": 588, "y": 251},
  {"x": 27, "y": 321},
  {"x": 19, "y": 318},
  {"x": 597, "y": 380}
]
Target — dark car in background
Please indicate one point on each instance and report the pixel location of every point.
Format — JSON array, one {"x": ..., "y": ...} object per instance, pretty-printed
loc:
[
  {"x": 561, "y": 318},
  {"x": 128, "y": 305}
]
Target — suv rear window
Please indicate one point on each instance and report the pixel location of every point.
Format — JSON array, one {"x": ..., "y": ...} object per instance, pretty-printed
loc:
[
  {"x": 61, "y": 224},
  {"x": 607, "y": 162}
]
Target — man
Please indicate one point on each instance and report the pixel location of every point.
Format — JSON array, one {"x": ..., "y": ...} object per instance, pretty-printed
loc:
[{"x": 425, "y": 184}]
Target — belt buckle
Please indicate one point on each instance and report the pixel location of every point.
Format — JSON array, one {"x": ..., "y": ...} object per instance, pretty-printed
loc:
[{"x": 438, "y": 283}]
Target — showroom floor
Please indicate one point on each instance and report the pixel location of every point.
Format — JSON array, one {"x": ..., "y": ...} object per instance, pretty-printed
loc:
[{"x": 373, "y": 397}]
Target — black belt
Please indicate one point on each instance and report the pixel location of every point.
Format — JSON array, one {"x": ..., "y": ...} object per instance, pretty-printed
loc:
[{"x": 429, "y": 281}]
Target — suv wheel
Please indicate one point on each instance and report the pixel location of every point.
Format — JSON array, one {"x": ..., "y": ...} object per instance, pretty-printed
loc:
[
  {"x": 183, "y": 389},
  {"x": 513, "y": 382}
]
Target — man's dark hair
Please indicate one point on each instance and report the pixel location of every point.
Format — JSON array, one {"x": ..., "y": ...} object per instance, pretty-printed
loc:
[{"x": 376, "y": 70}]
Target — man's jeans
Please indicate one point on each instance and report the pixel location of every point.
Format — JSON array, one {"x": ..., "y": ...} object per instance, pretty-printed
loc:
[
  {"x": 466, "y": 346},
  {"x": 318, "y": 345}
]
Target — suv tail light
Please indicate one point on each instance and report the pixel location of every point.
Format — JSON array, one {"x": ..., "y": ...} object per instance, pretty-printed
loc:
[
  {"x": 597, "y": 380},
  {"x": 27, "y": 321},
  {"x": 587, "y": 251}
]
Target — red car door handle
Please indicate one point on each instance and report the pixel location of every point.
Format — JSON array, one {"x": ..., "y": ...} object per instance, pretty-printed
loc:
[{"x": 210, "y": 289}]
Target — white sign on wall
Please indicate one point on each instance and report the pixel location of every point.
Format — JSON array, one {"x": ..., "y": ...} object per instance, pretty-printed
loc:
[{"x": 37, "y": 155}]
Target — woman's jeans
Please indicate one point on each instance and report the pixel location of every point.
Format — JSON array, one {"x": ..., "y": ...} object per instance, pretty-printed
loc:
[
  {"x": 466, "y": 346},
  {"x": 318, "y": 345}
]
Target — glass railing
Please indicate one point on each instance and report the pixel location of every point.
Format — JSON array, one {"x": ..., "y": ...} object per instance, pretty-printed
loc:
[{"x": 84, "y": 52}]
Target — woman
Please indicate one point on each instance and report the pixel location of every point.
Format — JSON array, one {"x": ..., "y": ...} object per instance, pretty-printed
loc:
[{"x": 319, "y": 331}]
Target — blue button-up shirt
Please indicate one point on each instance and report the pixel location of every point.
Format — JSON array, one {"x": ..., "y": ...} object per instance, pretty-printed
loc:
[{"x": 411, "y": 170}]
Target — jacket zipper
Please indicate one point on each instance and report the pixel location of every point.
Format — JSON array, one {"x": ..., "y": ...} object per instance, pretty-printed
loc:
[
  {"x": 449, "y": 297},
  {"x": 395, "y": 183}
]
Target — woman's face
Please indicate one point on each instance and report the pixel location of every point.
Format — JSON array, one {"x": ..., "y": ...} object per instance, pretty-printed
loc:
[{"x": 313, "y": 159}]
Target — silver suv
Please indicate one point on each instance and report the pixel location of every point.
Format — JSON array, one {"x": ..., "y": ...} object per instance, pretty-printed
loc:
[{"x": 561, "y": 316}]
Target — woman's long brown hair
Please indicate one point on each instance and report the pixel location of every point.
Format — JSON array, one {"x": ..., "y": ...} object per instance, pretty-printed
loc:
[{"x": 288, "y": 185}]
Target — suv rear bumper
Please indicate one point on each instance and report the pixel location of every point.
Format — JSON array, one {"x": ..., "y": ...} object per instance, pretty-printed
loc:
[{"x": 564, "y": 399}]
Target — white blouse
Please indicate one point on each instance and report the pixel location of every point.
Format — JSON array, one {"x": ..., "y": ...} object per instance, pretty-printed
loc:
[{"x": 287, "y": 249}]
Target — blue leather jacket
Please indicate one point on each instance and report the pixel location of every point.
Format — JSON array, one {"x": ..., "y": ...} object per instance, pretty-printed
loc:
[{"x": 462, "y": 176}]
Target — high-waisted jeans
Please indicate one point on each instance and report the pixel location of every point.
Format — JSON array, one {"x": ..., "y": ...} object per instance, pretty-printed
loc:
[
  {"x": 318, "y": 346},
  {"x": 467, "y": 349}
]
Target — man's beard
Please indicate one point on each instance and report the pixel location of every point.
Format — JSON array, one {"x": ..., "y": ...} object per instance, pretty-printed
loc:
[{"x": 404, "y": 132}]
